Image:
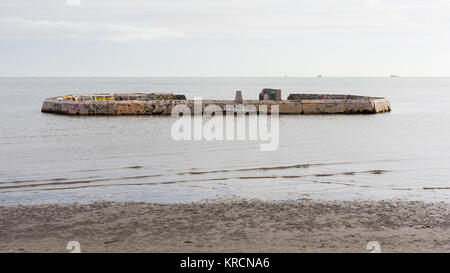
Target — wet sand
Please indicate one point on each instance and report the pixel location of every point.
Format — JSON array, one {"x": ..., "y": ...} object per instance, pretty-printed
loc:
[{"x": 228, "y": 226}]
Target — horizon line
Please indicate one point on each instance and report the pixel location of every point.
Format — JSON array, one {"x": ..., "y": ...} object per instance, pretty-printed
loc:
[{"x": 282, "y": 77}]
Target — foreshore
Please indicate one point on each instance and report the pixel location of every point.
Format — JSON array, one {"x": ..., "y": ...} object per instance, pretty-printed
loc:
[{"x": 228, "y": 226}]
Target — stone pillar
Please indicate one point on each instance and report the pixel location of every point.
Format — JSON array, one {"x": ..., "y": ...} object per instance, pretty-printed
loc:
[{"x": 238, "y": 97}]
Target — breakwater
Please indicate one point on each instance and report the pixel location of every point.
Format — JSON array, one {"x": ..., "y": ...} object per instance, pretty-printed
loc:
[{"x": 163, "y": 103}]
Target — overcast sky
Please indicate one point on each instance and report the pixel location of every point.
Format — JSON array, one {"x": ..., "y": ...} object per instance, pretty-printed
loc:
[{"x": 224, "y": 37}]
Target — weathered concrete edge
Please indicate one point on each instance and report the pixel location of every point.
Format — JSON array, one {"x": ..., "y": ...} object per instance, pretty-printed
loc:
[{"x": 164, "y": 107}]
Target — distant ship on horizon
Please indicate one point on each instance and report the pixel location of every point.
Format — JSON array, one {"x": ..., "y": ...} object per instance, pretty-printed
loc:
[{"x": 394, "y": 76}]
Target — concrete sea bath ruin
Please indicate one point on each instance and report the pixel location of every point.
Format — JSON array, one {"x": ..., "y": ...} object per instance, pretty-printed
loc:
[{"x": 162, "y": 103}]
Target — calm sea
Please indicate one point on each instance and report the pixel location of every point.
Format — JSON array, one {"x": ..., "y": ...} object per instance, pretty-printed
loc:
[{"x": 47, "y": 158}]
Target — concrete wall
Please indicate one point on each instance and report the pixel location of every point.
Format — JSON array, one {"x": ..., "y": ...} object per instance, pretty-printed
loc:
[
  {"x": 323, "y": 97},
  {"x": 164, "y": 107}
]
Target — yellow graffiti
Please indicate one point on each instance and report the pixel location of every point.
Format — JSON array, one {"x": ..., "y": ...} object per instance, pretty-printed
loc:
[
  {"x": 70, "y": 98},
  {"x": 85, "y": 98}
]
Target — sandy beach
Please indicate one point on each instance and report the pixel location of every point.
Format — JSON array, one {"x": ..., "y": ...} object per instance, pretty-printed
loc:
[{"x": 227, "y": 226}]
